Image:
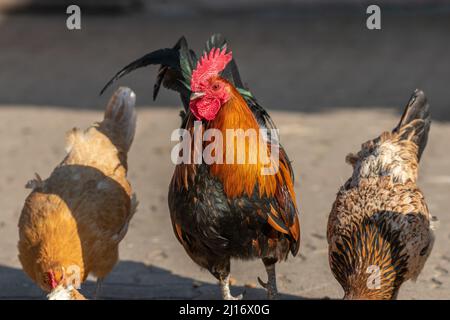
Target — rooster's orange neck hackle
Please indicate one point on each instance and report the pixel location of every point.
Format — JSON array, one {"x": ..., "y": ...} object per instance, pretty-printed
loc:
[{"x": 217, "y": 102}]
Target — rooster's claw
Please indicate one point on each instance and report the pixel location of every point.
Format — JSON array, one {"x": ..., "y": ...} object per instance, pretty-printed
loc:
[{"x": 262, "y": 283}]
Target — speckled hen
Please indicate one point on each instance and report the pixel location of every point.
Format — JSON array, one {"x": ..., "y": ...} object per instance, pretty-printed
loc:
[{"x": 379, "y": 229}]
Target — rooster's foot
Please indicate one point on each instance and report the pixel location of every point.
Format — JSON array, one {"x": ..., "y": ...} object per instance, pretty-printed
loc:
[
  {"x": 230, "y": 297},
  {"x": 271, "y": 284},
  {"x": 225, "y": 288}
]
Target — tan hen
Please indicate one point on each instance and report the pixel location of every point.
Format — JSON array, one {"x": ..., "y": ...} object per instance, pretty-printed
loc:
[
  {"x": 72, "y": 223},
  {"x": 379, "y": 230}
]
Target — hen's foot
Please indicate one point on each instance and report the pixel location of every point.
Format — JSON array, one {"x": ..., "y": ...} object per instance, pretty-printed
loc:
[{"x": 98, "y": 288}]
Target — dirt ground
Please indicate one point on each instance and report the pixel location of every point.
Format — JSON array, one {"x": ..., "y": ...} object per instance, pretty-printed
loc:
[{"x": 153, "y": 265}]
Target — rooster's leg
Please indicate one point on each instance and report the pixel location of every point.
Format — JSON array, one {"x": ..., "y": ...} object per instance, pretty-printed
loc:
[
  {"x": 225, "y": 288},
  {"x": 271, "y": 285},
  {"x": 221, "y": 270},
  {"x": 98, "y": 288}
]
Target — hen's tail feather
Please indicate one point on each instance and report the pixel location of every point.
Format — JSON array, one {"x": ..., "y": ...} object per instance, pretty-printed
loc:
[
  {"x": 121, "y": 111},
  {"x": 415, "y": 122}
]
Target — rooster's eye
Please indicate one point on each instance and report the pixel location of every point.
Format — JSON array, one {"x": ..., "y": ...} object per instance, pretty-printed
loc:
[{"x": 216, "y": 86}]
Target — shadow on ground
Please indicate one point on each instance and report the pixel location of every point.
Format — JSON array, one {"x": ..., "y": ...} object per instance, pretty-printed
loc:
[{"x": 130, "y": 280}]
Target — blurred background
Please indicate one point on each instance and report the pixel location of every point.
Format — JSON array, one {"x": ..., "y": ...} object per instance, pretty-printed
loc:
[
  {"x": 299, "y": 55},
  {"x": 329, "y": 83}
]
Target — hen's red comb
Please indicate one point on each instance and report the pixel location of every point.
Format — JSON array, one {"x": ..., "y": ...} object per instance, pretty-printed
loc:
[
  {"x": 52, "y": 280},
  {"x": 209, "y": 65}
]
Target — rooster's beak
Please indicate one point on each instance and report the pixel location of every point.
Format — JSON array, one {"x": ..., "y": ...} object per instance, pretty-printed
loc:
[{"x": 196, "y": 95}]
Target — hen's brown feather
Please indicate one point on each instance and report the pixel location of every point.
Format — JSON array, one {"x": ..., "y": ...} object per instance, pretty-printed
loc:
[
  {"x": 380, "y": 217},
  {"x": 75, "y": 219}
]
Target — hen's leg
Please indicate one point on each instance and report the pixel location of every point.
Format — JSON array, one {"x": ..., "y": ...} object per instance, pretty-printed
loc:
[
  {"x": 98, "y": 288},
  {"x": 271, "y": 285},
  {"x": 222, "y": 272}
]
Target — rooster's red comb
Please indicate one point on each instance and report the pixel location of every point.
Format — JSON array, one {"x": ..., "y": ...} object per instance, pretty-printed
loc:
[{"x": 209, "y": 65}]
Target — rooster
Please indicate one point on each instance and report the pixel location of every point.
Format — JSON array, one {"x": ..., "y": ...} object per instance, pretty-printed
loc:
[
  {"x": 72, "y": 223},
  {"x": 379, "y": 229},
  {"x": 221, "y": 211}
]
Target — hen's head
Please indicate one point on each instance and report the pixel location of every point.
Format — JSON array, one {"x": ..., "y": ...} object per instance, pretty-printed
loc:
[
  {"x": 53, "y": 278},
  {"x": 369, "y": 260},
  {"x": 209, "y": 91},
  {"x": 59, "y": 285}
]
